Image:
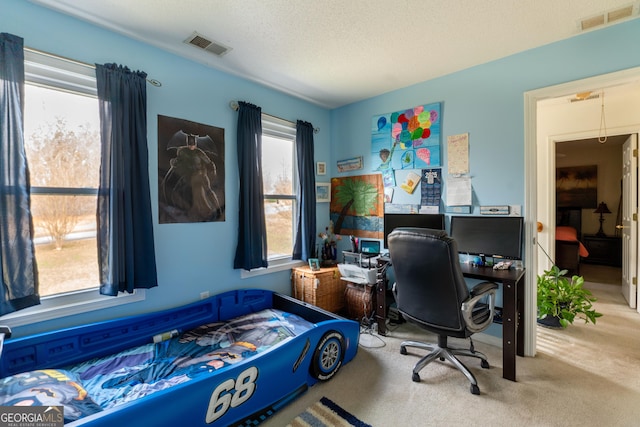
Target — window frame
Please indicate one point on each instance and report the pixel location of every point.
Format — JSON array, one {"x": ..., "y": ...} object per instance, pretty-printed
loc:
[
  {"x": 63, "y": 74},
  {"x": 276, "y": 127}
]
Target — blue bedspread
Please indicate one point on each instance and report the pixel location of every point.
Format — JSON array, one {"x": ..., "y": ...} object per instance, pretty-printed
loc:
[{"x": 140, "y": 371}]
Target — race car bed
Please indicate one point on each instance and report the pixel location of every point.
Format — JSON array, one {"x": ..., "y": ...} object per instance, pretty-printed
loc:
[{"x": 232, "y": 359}]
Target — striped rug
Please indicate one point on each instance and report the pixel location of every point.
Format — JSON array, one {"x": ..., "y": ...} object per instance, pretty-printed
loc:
[{"x": 326, "y": 413}]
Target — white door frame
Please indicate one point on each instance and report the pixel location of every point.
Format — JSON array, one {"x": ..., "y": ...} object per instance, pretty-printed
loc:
[{"x": 533, "y": 167}]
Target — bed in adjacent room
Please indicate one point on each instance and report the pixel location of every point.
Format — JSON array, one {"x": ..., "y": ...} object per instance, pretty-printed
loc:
[
  {"x": 569, "y": 248},
  {"x": 231, "y": 359}
]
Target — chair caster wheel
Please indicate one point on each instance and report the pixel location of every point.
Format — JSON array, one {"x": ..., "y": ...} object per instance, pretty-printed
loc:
[
  {"x": 484, "y": 364},
  {"x": 475, "y": 389},
  {"x": 416, "y": 378},
  {"x": 403, "y": 350}
]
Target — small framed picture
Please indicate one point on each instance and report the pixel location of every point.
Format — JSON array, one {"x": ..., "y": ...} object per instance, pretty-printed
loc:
[
  {"x": 314, "y": 264},
  {"x": 321, "y": 168},
  {"x": 323, "y": 192}
]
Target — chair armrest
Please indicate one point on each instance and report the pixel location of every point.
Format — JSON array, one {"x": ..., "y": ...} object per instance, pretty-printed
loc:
[
  {"x": 480, "y": 291},
  {"x": 482, "y": 288}
]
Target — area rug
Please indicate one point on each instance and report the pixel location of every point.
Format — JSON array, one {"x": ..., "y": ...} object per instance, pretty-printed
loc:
[{"x": 326, "y": 413}]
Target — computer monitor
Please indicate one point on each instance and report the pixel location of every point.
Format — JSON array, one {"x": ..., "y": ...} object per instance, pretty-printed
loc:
[
  {"x": 370, "y": 247},
  {"x": 395, "y": 220},
  {"x": 490, "y": 236}
]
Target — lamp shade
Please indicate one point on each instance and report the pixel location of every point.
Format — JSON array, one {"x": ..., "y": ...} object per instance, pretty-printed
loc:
[{"x": 602, "y": 208}]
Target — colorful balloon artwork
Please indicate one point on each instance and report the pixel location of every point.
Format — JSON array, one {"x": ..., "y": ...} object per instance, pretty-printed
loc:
[{"x": 408, "y": 139}]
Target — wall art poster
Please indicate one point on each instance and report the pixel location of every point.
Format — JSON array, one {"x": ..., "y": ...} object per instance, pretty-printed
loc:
[
  {"x": 458, "y": 154},
  {"x": 352, "y": 164},
  {"x": 357, "y": 206},
  {"x": 190, "y": 172},
  {"x": 408, "y": 139}
]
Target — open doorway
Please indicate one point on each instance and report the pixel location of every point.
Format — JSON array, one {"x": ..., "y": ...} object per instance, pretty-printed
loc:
[
  {"x": 546, "y": 124},
  {"x": 589, "y": 202}
]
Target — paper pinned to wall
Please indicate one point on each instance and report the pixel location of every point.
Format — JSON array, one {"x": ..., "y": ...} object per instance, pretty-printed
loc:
[
  {"x": 458, "y": 153},
  {"x": 459, "y": 191}
]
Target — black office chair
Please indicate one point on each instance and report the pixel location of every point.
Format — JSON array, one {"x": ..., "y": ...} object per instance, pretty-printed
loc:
[{"x": 431, "y": 292}]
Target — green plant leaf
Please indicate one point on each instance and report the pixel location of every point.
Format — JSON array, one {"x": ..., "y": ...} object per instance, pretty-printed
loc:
[{"x": 565, "y": 298}]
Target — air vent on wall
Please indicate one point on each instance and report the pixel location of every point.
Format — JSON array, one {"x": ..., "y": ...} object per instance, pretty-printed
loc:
[{"x": 200, "y": 41}]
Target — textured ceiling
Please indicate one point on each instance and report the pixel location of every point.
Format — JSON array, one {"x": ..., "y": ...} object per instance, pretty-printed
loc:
[{"x": 335, "y": 52}]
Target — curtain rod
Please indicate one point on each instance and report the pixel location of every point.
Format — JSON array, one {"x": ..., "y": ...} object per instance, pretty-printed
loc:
[
  {"x": 234, "y": 106},
  {"x": 154, "y": 82}
]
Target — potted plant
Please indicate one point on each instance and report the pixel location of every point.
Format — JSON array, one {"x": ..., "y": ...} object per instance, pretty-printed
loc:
[{"x": 561, "y": 299}]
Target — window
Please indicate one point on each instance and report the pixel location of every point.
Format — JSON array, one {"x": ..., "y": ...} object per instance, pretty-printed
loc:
[
  {"x": 62, "y": 144},
  {"x": 279, "y": 181}
]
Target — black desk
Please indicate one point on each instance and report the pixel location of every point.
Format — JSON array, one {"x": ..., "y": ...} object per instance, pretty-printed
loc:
[{"x": 512, "y": 311}]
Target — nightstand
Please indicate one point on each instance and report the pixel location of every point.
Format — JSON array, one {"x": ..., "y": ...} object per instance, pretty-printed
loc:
[{"x": 603, "y": 250}]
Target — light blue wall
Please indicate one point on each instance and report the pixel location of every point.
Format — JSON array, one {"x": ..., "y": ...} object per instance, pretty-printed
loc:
[
  {"x": 485, "y": 101},
  {"x": 191, "y": 258}
]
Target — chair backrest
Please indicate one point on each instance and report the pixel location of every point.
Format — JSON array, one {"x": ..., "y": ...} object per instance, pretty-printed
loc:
[{"x": 430, "y": 287}]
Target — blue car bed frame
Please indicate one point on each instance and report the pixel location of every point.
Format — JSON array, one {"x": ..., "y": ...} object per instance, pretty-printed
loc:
[{"x": 238, "y": 391}]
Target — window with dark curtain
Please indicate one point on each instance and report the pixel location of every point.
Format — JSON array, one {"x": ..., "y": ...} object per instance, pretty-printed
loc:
[
  {"x": 306, "y": 215},
  {"x": 126, "y": 250},
  {"x": 251, "y": 251},
  {"x": 18, "y": 269}
]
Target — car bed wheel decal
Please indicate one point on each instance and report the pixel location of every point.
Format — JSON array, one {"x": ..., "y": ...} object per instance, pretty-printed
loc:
[{"x": 328, "y": 356}]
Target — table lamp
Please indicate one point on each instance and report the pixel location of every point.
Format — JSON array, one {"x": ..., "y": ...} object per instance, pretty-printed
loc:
[{"x": 602, "y": 209}]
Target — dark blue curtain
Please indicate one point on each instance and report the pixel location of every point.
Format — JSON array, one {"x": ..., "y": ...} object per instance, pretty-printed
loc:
[
  {"x": 18, "y": 268},
  {"x": 306, "y": 194},
  {"x": 126, "y": 252},
  {"x": 251, "y": 251}
]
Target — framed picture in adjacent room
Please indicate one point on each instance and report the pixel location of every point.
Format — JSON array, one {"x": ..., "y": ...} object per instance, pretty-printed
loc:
[
  {"x": 323, "y": 192},
  {"x": 577, "y": 186},
  {"x": 321, "y": 168}
]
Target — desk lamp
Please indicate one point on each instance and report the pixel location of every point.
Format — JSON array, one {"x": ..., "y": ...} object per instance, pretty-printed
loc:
[{"x": 602, "y": 209}]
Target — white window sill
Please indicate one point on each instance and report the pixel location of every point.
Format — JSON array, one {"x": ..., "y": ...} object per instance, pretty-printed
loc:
[
  {"x": 69, "y": 304},
  {"x": 274, "y": 266}
]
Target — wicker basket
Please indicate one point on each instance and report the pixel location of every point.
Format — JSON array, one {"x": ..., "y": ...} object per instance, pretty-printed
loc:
[
  {"x": 322, "y": 288},
  {"x": 359, "y": 301}
]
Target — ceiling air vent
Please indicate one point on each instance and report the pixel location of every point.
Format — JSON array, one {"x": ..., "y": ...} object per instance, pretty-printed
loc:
[
  {"x": 622, "y": 13},
  {"x": 608, "y": 17},
  {"x": 594, "y": 21},
  {"x": 200, "y": 41}
]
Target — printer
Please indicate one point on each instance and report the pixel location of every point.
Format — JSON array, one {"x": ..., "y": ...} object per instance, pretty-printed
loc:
[{"x": 356, "y": 274}]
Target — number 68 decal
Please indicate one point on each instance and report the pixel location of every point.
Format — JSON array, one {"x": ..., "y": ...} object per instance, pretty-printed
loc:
[{"x": 222, "y": 397}]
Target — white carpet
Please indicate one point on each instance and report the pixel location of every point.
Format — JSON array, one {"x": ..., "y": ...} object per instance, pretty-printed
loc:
[{"x": 586, "y": 375}]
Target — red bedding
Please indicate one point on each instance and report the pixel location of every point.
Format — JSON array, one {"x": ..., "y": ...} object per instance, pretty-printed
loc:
[{"x": 571, "y": 235}]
